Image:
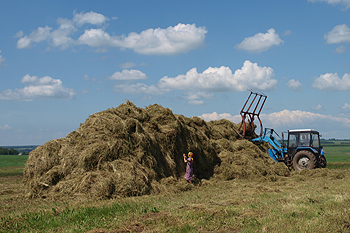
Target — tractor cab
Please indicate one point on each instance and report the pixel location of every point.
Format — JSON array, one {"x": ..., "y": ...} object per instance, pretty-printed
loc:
[
  {"x": 304, "y": 149},
  {"x": 303, "y": 138}
]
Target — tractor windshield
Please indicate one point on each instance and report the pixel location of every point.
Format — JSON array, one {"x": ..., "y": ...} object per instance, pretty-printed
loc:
[{"x": 304, "y": 139}]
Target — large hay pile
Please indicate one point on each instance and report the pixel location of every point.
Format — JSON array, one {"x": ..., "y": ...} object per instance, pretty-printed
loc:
[{"x": 130, "y": 151}]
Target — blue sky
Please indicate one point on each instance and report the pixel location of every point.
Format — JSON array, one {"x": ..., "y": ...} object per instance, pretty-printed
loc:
[{"x": 61, "y": 61}]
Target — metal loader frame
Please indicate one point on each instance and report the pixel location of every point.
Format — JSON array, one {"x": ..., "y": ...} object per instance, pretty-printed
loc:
[{"x": 255, "y": 101}]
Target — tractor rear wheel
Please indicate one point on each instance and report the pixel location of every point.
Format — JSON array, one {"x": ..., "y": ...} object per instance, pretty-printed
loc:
[{"x": 304, "y": 160}]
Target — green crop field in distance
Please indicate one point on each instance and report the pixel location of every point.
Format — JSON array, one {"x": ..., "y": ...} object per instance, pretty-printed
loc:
[
  {"x": 337, "y": 155},
  {"x": 13, "y": 160},
  {"x": 11, "y": 165}
]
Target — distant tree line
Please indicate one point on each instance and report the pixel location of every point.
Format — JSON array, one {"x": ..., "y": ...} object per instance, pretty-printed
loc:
[{"x": 5, "y": 151}]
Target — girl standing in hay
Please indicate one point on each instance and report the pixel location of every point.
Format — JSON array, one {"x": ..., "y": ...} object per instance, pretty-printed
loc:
[{"x": 189, "y": 167}]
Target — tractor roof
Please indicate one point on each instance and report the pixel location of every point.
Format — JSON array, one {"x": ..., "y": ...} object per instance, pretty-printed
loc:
[{"x": 302, "y": 131}]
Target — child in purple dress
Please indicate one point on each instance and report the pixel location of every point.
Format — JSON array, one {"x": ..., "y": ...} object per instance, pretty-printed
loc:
[{"x": 189, "y": 167}]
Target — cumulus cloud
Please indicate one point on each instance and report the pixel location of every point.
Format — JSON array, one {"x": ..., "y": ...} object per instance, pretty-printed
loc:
[
  {"x": 198, "y": 95},
  {"x": 287, "y": 119},
  {"x": 318, "y": 107},
  {"x": 195, "y": 102},
  {"x": 169, "y": 41},
  {"x": 339, "y": 34},
  {"x": 215, "y": 117},
  {"x": 299, "y": 118},
  {"x": 195, "y": 98},
  {"x": 36, "y": 36},
  {"x": 98, "y": 38},
  {"x": 346, "y": 106},
  {"x": 35, "y": 87},
  {"x": 127, "y": 65},
  {"x": 340, "y": 49},
  {"x": 345, "y": 3},
  {"x": 19, "y": 34},
  {"x": 294, "y": 84},
  {"x": 2, "y": 60},
  {"x": 90, "y": 17},
  {"x": 61, "y": 36},
  {"x": 260, "y": 42},
  {"x": 332, "y": 82},
  {"x": 128, "y": 75},
  {"x": 251, "y": 76},
  {"x": 139, "y": 88},
  {"x": 287, "y": 32},
  {"x": 5, "y": 127},
  {"x": 172, "y": 40}
]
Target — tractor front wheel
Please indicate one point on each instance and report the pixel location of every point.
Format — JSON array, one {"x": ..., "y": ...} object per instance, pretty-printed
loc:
[{"x": 304, "y": 160}]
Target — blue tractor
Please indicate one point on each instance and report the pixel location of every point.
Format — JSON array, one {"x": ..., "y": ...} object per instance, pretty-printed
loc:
[{"x": 302, "y": 149}]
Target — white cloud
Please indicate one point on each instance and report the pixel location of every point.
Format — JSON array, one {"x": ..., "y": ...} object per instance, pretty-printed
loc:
[
  {"x": 2, "y": 60},
  {"x": 294, "y": 84},
  {"x": 215, "y": 117},
  {"x": 45, "y": 87},
  {"x": 98, "y": 38},
  {"x": 170, "y": 41},
  {"x": 260, "y": 42},
  {"x": 19, "y": 34},
  {"x": 195, "y": 102},
  {"x": 36, "y": 36},
  {"x": 173, "y": 40},
  {"x": 251, "y": 76},
  {"x": 346, "y": 106},
  {"x": 195, "y": 97},
  {"x": 285, "y": 118},
  {"x": 318, "y": 107},
  {"x": 61, "y": 36},
  {"x": 282, "y": 121},
  {"x": 5, "y": 127},
  {"x": 90, "y": 17},
  {"x": 346, "y": 3},
  {"x": 339, "y": 34},
  {"x": 128, "y": 75},
  {"x": 127, "y": 65},
  {"x": 287, "y": 32},
  {"x": 139, "y": 88},
  {"x": 198, "y": 95},
  {"x": 331, "y": 82},
  {"x": 340, "y": 49}
]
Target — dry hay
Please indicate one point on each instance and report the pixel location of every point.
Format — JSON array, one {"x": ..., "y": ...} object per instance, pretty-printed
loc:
[{"x": 130, "y": 151}]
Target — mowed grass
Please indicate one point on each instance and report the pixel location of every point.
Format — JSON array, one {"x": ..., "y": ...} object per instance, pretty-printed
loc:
[
  {"x": 11, "y": 165},
  {"x": 337, "y": 156},
  {"x": 310, "y": 201}
]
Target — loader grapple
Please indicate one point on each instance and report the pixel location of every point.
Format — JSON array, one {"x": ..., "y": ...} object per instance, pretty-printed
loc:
[{"x": 251, "y": 110}]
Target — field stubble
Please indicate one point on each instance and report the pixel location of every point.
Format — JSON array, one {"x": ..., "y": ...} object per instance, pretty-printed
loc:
[{"x": 310, "y": 201}]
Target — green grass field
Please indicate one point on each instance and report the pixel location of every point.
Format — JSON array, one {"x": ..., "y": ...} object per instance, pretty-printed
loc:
[
  {"x": 338, "y": 156},
  {"x": 11, "y": 165},
  {"x": 309, "y": 201}
]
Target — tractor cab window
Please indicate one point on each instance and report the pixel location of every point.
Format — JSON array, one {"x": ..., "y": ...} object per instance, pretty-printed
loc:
[
  {"x": 293, "y": 140},
  {"x": 315, "y": 142},
  {"x": 304, "y": 139}
]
